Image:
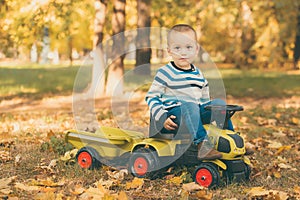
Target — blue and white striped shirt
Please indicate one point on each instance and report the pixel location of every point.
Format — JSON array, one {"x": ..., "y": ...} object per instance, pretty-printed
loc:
[{"x": 172, "y": 85}]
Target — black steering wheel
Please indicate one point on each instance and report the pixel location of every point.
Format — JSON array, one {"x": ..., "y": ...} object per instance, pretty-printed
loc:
[{"x": 227, "y": 110}]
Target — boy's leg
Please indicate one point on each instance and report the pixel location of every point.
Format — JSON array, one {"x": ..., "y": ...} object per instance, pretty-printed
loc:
[{"x": 191, "y": 118}]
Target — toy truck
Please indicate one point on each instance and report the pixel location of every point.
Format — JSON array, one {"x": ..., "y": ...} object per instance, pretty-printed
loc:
[{"x": 146, "y": 156}]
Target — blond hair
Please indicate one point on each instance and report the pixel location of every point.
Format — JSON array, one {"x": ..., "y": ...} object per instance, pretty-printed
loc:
[{"x": 181, "y": 28}]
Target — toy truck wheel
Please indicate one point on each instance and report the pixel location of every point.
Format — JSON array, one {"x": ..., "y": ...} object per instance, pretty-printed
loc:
[
  {"x": 207, "y": 175},
  {"x": 143, "y": 163},
  {"x": 88, "y": 158}
]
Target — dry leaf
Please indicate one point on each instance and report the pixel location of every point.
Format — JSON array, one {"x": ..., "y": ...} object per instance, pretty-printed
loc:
[
  {"x": 47, "y": 183},
  {"x": 27, "y": 188},
  {"x": 297, "y": 189},
  {"x": 204, "y": 195},
  {"x": 295, "y": 121},
  {"x": 177, "y": 180},
  {"x": 92, "y": 193},
  {"x": 192, "y": 187},
  {"x": 274, "y": 145},
  {"x": 78, "y": 189},
  {"x": 283, "y": 148},
  {"x": 122, "y": 196},
  {"x": 5, "y": 156},
  {"x": 266, "y": 194},
  {"x": 69, "y": 155},
  {"x": 47, "y": 195},
  {"x": 107, "y": 184},
  {"x": 118, "y": 175},
  {"x": 5, "y": 187},
  {"x": 135, "y": 183}
]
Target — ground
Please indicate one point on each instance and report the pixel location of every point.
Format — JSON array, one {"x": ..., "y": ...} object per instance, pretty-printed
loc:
[{"x": 33, "y": 163}]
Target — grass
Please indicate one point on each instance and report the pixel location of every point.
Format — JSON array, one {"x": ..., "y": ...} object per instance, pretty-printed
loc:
[
  {"x": 36, "y": 81},
  {"x": 34, "y": 144}
]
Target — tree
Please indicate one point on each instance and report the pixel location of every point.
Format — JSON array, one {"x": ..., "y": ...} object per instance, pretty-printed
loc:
[
  {"x": 97, "y": 88},
  {"x": 114, "y": 84},
  {"x": 296, "y": 53},
  {"x": 143, "y": 50}
]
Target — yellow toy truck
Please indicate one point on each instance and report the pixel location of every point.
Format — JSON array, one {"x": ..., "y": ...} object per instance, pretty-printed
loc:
[{"x": 146, "y": 156}]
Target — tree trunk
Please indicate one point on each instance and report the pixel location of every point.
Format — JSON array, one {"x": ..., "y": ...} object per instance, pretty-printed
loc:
[
  {"x": 297, "y": 43},
  {"x": 143, "y": 50},
  {"x": 248, "y": 37},
  {"x": 114, "y": 86},
  {"x": 97, "y": 88}
]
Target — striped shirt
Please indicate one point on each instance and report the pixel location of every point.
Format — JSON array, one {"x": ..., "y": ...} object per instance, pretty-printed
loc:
[{"x": 173, "y": 85}]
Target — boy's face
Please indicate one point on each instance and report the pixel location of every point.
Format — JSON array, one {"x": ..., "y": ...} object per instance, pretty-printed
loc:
[{"x": 183, "y": 48}]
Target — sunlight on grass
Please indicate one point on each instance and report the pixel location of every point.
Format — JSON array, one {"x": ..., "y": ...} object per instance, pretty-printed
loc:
[{"x": 37, "y": 80}]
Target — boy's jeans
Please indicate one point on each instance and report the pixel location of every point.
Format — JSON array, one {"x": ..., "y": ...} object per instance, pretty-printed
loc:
[{"x": 194, "y": 116}]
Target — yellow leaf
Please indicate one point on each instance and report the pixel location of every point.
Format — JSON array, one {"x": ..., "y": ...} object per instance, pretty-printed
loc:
[
  {"x": 189, "y": 187},
  {"x": 135, "y": 183},
  {"x": 93, "y": 193},
  {"x": 78, "y": 189},
  {"x": 256, "y": 192},
  {"x": 175, "y": 180},
  {"x": 283, "y": 148},
  {"x": 277, "y": 174},
  {"x": 28, "y": 188},
  {"x": 4, "y": 182},
  {"x": 274, "y": 145},
  {"x": 47, "y": 195},
  {"x": 48, "y": 183},
  {"x": 204, "y": 195},
  {"x": 122, "y": 196},
  {"x": 295, "y": 121},
  {"x": 118, "y": 175},
  {"x": 297, "y": 189}
]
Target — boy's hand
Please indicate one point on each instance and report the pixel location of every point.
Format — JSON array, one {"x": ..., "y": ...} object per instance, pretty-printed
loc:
[{"x": 170, "y": 124}]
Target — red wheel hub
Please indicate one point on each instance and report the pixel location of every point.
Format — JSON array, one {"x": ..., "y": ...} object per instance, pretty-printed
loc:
[
  {"x": 140, "y": 166},
  {"x": 85, "y": 160},
  {"x": 204, "y": 177}
]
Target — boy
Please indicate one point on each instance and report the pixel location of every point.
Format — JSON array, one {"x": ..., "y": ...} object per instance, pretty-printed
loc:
[{"x": 179, "y": 92}]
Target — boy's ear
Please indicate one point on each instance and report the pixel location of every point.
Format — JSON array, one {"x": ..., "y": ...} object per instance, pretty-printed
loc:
[
  {"x": 198, "y": 48},
  {"x": 168, "y": 50}
]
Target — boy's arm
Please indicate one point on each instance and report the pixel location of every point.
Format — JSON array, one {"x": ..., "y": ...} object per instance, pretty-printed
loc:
[
  {"x": 205, "y": 93},
  {"x": 153, "y": 99}
]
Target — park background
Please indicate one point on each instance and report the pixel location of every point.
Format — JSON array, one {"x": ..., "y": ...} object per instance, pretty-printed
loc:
[{"x": 255, "y": 45}]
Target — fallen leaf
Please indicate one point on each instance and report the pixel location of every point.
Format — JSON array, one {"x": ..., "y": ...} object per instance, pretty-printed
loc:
[
  {"x": 192, "y": 187},
  {"x": 284, "y": 166},
  {"x": 45, "y": 195},
  {"x": 17, "y": 159},
  {"x": 107, "y": 184},
  {"x": 47, "y": 183},
  {"x": 279, "y": 134},
  {"x": 295, "y": 121},
  {"x": 274, "y": 145},
  {"x": 297, "y": 189},
  {"x": 177, "y": 180},
  {"x": 118, "y": 175},
  {"x": 27, "y": 188},
  {"x": 69, "y": 155},
  {"x": 256, "y": 192},
  {"x": 92, "y": 193},
  {"x": 204, "y": 195},
  {"x": 277, "y": 174},
  {"x": 135, "y": 183},
  {"x": 5, "y": 156},
  {"x": 283, "y": 148},
  {"x": 77, "y": 190},
  {"x": 122, "y": 196}
]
